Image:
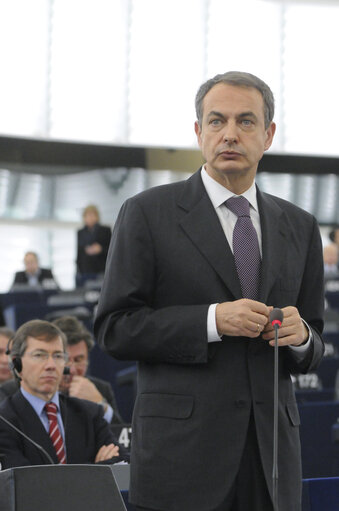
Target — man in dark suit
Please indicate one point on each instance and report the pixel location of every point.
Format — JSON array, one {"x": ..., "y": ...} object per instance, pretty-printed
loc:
[
  {"x": 38, "y": 356},
  {"x": 92, "y": 246},
  {"x": 78, "y": 383},
  {"x": 176, "y": 299},
  {"x": 33, "y": 274}
]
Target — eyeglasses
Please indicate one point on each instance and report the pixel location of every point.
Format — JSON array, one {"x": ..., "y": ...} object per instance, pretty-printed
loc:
[
  {"x": 78, "y": 361},
  {"x": 42, "y": 356}
]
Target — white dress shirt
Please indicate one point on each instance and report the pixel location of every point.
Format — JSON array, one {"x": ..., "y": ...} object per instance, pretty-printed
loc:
[{"x": 218, "y": 194}]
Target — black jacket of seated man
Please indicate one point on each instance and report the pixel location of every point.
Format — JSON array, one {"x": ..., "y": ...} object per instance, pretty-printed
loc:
[
  {"x": 43, "y": 274},
  {"x": 33, "y": 275},
  {"x": 10, "y": 387},
  {"x": 85, "y": 432},
  {"x": 78, "y": 383}
]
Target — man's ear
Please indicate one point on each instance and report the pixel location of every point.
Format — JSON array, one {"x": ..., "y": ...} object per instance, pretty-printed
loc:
[
  {"x": 270, "y": 135},
  {"x": 197, "y": 130}
]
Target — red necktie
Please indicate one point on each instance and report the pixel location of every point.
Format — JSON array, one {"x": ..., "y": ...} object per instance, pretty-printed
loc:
[{"x": 54, "y": 432}]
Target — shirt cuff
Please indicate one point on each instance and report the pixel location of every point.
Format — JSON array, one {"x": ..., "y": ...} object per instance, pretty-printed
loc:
[
  {"x": 108, "y": 415},
  {"x": 212, "y": 332},
  {"x": 303, "y": 347}
]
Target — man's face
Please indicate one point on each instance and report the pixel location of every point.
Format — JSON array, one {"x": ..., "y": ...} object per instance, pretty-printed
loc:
[
  {"x": 31, "y": 263},
  {"x": 77, "y": 363},
  {"x": 5, "y": 372},
  {"x": 41, "y": 377},
  {"x": 90, "y": 218},
  {"x": 232, "y": 136}
]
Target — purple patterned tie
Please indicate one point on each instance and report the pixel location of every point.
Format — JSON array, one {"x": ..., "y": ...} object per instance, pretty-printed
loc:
[{"x": 245, "y": 247}]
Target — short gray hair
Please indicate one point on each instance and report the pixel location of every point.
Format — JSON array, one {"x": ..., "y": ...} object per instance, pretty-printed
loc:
[{"x": 238, "y": 79}]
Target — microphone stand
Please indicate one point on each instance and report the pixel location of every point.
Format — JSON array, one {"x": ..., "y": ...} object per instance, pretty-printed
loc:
[
  {"x": 38, "y": 446},
  {"x": 275, "y": 419}
]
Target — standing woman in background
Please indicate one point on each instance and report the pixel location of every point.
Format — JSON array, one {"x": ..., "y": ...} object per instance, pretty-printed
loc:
[{"x": 93, "y": 242}]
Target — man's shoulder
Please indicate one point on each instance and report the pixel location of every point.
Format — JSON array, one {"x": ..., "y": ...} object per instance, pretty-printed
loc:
[
  {"x": 13, "y": 404},
  {"x": 161, "y": 192},
  {"x": 98, "y": 382},
  {"x": 287, "y": 206},
  {"x": 20, "y": 275},
  {"x": 45, "y": 271},
  {"x": 104, "y": 228},
  {"x": 8, "y": 388},
  {"x": 79, "y": 405}
]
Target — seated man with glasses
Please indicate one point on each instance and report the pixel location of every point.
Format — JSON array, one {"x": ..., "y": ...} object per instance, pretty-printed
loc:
[
  {"x": 66, "y": 429},
  {"x": 78, "y": 383}
]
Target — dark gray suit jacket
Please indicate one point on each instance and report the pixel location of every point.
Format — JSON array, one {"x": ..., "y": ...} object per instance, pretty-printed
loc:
[
  {"x": 168, "y": 261},
  {"x": 85, "y": 430}
]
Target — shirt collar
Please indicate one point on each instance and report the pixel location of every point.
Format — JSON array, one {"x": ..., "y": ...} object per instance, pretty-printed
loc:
[
  {"x": 37, "y": 403},
  {"x": 219, "y": 194}
]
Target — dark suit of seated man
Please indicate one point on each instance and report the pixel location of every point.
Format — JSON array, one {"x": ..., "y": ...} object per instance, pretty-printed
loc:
[
  {"x": 33, "y": 274},
  {"x": 38, "y": 356},
  {"x": 78, "y": 384}
]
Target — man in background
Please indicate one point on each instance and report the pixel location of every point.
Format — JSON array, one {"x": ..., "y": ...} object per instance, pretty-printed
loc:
[
  {"x": 92, "y": 246},
  {"x": 5, "y": 372},
  {"x": 78, "y": 383},
  {"x": 70, "y": 430},
  {"x": 33, "y": 275}
]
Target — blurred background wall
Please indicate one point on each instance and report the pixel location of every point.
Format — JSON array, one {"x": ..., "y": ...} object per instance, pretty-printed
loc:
[{"x": 124, "y": 73}]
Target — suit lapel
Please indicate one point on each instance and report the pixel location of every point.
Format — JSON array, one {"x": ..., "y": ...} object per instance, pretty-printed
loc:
[
  {"x": 32, "y": 426},
  {"x": 274, "y": 239},
  {"x": 202, "y": 226},
  {"x": 75, "y": 444}
]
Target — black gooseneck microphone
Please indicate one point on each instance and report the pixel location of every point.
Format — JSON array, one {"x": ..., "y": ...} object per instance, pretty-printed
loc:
[
  {"x": 50, "y": 460},
  {"x": 275, "y": 318}
]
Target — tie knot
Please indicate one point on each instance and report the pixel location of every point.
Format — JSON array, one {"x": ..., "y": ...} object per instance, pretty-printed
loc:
[
  {"x": 239, "y": 206},
  {"x": 51, "y": 410}
]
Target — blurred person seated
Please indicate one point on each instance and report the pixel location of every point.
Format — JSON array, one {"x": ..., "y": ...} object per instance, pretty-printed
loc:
[
  {"x": 92, "y": 246},
  {"x": 331, "y": 260},
  {"x": 77, "y": 383},
  {"x": 70, "y": 430},
  {"x": 33, "y": 275},
  {"x": 5, "y": 372}
]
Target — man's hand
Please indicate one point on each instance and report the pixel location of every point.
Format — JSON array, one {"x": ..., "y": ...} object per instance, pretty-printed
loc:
[
  {"x": 93, "y": 249},
  {"x": 292, "y": 331},
  {"x": 83, "y": 388},
  {"x": 106, "y": 452},
  {"x": 243, "y": 317}
]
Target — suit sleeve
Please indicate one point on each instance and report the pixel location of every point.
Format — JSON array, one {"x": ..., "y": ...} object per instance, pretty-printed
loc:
[
  {"x": 106, "y": 390},
  {"x": 12, "y": 447},
  {"x": 310, "y": 305},
  {"x": 19, "y": 278},
  {"x": 105, "y": 436},
  {"x": 104, "y": 239},
  {"x": 130, "y": 323}
]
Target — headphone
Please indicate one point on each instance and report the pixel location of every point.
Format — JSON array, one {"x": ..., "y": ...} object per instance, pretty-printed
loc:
[{"x": 15, "y": 363}]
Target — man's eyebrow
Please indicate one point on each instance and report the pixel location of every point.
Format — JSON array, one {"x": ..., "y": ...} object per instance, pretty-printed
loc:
[
  {"x": 214, "y": 113},
  {"x": 247, "y": 114}
]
